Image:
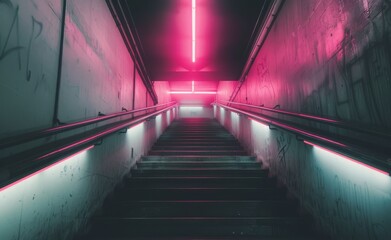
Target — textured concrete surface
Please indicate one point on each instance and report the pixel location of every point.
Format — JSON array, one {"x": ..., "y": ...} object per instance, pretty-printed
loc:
[
  {"x": 97, "y": 76},
  {"x": 327, "y": 58},
  {"x": 97, "y": 70},
  {"x": 57, "y": 203},
  {"x": 348, "y": 201},
  {"x": 29, "y": 49}
]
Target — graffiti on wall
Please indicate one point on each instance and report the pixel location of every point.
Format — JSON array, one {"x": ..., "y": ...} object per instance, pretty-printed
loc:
[
  {"x": 10, "y": 38},
  {"x": 264, "y": 82}
]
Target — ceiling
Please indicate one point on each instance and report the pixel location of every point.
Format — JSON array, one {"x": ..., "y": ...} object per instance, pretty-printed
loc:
[{"x": 224, "y": 37}]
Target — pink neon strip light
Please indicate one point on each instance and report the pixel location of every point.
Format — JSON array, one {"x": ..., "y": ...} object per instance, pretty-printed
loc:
[
  {"x": 205, "y": 92},
  {"x": 347, "y": 158},
  {"x": 44, "y": 169},
  {"x": 184, "y": 92},
  {"x": 192, "y": 91},
  {"x": 193, "y": 28},
  {"x": 180, "y": 92}
]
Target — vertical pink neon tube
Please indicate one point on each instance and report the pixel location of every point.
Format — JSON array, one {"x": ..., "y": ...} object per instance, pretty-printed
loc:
[{"x": 193, "y": 27}]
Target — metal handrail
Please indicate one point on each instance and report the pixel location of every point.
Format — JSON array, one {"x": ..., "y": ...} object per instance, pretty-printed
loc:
[
  {"x": 377, "y": 160},
  {"x": 328, "y": 121},
  {"x": 20, "y": 139},
  {"x": 30, "y": 161}
]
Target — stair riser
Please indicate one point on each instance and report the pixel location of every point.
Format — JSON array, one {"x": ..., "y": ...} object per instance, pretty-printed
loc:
[
  {"x": 197, "y": 148},
  {"x": 197, "y": 228},
  {"x": 200, "y": 183},
  {"x": 198, "y": 173},
  {"x": 198, "y": 153},
  {"x": 210, "y": 161},
  {"x": 198, "y": 158},
  {"x": 196, "y": 144},
  {"x": 200, "y": 137},
  {"x": 201, "y": 194},
  {"x": 201, "y": 210},
  {"x": 142, "y": 165}
]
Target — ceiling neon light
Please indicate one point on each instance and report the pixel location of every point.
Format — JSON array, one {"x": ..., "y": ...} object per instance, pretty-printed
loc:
[
  {"x": 193, "y": 29},
  {"x": 192, "y": 91}
]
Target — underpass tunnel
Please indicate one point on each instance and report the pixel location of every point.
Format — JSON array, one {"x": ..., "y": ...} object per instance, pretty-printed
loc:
[{"x": 195, "y": 119}]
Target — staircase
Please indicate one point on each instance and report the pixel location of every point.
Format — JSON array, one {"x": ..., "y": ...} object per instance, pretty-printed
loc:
[{"x": 198, "y": 183}]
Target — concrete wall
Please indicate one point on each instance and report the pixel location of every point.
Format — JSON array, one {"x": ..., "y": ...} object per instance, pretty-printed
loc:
[
  {"x": 97, "y": 76},
  {"x": 327, "y": 58},
  {"x": 97, "y": 70},
  {"x": 29, "y": 50},
  {"x": 58, "y": 202},
  {"x": 162, "y": 89},
  {"x": 348, "y": 201}
]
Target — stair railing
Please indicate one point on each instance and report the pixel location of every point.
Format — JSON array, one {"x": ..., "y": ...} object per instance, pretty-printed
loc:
[
  {"x": 18, "y": 166},
  {"x": 372, "y": 150}
]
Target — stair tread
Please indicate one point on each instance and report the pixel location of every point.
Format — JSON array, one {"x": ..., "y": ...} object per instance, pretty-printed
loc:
[{"x": 197, "y": 162}]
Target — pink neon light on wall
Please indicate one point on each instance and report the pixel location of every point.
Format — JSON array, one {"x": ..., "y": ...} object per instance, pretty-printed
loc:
[
  {"x": 44, "y": 169},
  {"x": 347, "y": 158},
  {"x": 193, "y": 30},
  {"x": 185, "y": 92}
]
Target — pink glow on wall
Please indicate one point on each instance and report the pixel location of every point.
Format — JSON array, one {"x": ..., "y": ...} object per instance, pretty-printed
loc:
[
  {"x": 346, "y": 158},
  {"x": 193, "y": 29},
  {"x": 44, "y": 169}
]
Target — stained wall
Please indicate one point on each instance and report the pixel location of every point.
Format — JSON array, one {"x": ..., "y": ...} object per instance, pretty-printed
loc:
[
  {"x": 97, "y": 75},
  {"x": 331, "y": 59}
]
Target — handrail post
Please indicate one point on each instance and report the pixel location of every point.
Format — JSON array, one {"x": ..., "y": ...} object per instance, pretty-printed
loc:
[{"x": 59, "y": 70}]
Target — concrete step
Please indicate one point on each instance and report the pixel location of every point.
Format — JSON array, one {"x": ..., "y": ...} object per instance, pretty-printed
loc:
[
  {"x": 196, "y": 209},
  {"x": 200, "y": 182},
  {"x": 196, "y": 143},
  {"x": 187, "y": 172},
  {"x": 197, "y": 152},
  {"x": 199, "y": 227},
  {"x": 197, "y": 165},
  {"x": 227, "y": 193},
  {"x": 196, "y": 148},
  {"x": 198, "y": 158}
]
